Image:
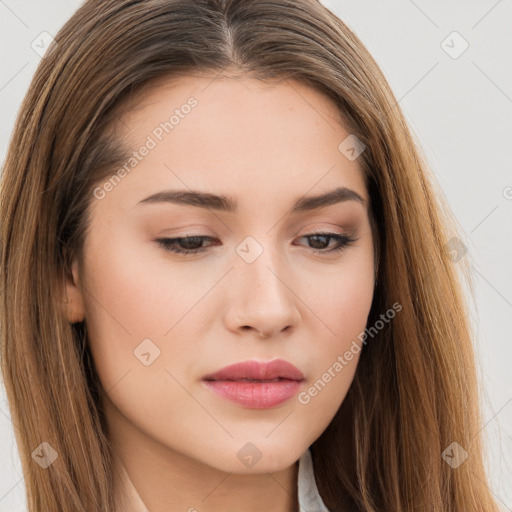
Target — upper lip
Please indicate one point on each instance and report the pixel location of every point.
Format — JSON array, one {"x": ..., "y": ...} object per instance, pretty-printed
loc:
[{"x": 257, "y": 370}]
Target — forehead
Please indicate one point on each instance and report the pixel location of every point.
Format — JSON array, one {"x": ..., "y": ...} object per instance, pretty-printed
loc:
[{"x": 235, "y": 136}]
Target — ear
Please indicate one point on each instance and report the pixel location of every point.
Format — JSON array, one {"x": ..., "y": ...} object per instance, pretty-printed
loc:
[{"x": 73, "y": 301}]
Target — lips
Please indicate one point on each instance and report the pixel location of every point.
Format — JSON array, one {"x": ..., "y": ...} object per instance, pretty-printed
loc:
[
  {"x": 256, "y": 385},
  {"x": 275, "y": 370}
]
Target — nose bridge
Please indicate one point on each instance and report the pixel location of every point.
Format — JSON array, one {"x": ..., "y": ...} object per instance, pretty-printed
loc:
[
  {"x": 261, "y": 265},
  {"x": 263, "y": 299}
]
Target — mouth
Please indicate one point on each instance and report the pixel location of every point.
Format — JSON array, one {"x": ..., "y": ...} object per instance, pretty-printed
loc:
[{"x": 256, "y": 385}]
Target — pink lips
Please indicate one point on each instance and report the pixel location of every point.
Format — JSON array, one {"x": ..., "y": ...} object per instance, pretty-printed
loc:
[{"x": 256, "y": 385}]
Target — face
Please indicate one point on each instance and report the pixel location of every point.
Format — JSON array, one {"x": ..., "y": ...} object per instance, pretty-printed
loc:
[{"x": 175, "y": 288}]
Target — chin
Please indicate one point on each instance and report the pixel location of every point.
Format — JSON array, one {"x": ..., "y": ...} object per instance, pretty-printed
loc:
[{"x": 261, "y": 456}]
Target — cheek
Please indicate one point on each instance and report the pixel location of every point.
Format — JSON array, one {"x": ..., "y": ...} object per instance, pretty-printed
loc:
[
  {"x": 341, "y": 298},
  {"x": 137, "y": 303},
  {"x": 135, "y": 290},
  {"x": 132, "y": 310},
  {"x": 342, "y": 305},
  {"x": 141, "y": 327}
]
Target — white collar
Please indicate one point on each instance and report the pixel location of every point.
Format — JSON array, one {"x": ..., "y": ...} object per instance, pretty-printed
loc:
[{"x": 308, "y": 495}]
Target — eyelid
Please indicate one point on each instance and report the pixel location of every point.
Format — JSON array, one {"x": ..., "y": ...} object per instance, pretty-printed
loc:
[
  {"x": 336, "y": 231},
  {"x": 323, "y": 231},
  {"x": 308, "y": 232}
]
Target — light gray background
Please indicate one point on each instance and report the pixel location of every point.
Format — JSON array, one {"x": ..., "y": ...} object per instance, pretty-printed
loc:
[{"x": 460, "y": 110}]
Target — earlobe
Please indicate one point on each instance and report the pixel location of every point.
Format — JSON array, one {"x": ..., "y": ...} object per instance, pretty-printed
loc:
[{"x": 73, "y": 301}]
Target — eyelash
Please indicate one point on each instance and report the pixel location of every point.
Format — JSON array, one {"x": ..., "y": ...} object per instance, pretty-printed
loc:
[{"x": 170, "y": 244}]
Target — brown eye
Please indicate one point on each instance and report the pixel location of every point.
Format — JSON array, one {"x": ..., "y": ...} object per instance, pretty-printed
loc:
[
  {"x": 184, "y": 245},
  {"x": 320, "y": 242}
]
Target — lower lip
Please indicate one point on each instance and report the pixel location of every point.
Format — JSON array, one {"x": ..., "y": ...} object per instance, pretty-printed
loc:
[{"x": 255, "y": 395}]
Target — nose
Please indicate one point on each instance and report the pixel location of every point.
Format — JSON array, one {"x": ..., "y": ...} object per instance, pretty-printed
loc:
[{"x": 262, "y": 300}]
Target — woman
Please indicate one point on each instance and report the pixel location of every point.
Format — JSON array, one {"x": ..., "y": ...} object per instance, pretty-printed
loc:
[{"x": 225, "y": 282}]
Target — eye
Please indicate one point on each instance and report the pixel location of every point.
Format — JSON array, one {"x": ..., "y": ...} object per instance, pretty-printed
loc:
[
  {"x": 321, "y": 241},
  {"x": 184, "y": 245},
  {"x": 194, "y": 244}
]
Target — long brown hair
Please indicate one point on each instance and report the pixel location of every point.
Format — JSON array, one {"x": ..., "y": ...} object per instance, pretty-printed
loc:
[{"x": 415, "y": 389}]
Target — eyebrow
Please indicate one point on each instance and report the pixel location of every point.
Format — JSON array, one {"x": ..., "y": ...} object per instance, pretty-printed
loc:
[{"x": 228, "y": 204}]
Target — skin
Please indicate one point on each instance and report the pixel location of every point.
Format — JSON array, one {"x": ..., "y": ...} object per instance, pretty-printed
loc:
[{"x": 266, "y": 146}]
